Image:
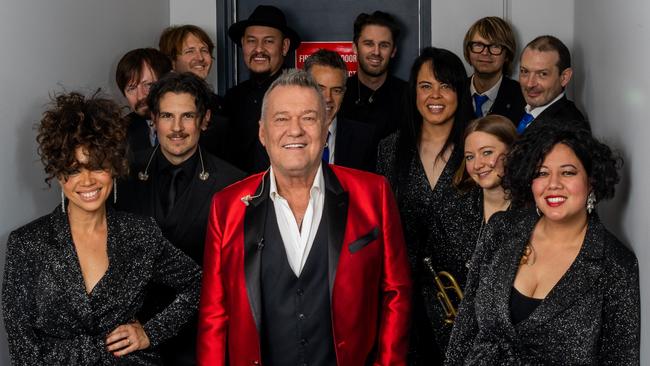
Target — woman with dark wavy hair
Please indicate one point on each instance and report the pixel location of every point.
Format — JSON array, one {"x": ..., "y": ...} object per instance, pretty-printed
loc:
[
  {"x": 548, "y": 283},
  {"x": 420, "y": 161},
  {"x": 75, "y": 279}
]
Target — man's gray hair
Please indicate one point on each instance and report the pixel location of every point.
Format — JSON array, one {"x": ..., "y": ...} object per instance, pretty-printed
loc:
[
  {"x": 294, "y": 77},
  {"x": 327, "y": 58}
]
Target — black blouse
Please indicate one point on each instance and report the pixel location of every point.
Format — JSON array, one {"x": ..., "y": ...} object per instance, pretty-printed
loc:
[{"x": 49, "y": 317}]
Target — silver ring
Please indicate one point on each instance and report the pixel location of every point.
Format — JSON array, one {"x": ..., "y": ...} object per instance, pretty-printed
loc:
[{"x": 128, "y": 340}]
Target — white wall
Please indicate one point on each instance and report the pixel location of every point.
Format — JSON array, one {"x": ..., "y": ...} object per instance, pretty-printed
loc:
[
  {"x": 202, "y": 13},
  {"x": 529, "y": 19},
  {"x": 613, "y": 84},
  {"x": 49, "y": 45}
]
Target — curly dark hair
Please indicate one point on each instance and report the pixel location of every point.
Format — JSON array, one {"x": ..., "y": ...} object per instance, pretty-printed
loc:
[
  {"x": 528, "y": 153},
  {"x": 73, "y": 121}
]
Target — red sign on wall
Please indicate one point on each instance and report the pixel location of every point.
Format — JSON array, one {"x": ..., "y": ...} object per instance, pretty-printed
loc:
[{"x": 344, "y": 49}]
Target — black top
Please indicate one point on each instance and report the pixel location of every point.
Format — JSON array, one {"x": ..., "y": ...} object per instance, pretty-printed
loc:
[
  {"x": 243, "y": 106},
  {"x": 137, "y": 133},
  {"x": 214, "y": 138},
  {"x": 49, "y": 317},
  {"x": 590, "y": 317},
  {"x": 354, "y": 145},
  {"x": 384, "y": 108},
  {"x": 521, "y": 306}
]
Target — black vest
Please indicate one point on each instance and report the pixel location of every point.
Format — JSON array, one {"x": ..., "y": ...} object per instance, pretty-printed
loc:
[{"x": 296, "y": 318}]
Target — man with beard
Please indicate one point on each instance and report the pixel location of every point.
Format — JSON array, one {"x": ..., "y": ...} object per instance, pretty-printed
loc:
[
  {"x": 544, "y": 72},
  {"x": 489, "y": 46},
  {"x": 137, "y": 70},
  {"x": 190, "y": 49},
  {"x": 174, "y": 183},
  {"x": 373, "y": 95},
  {"x": 265, "y": 40}
]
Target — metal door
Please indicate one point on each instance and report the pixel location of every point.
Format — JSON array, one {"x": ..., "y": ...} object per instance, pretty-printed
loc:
[{"x": 323, "y": 20}]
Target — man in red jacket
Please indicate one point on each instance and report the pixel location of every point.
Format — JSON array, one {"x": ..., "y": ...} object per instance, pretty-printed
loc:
[{"x": 304, "y": 263}]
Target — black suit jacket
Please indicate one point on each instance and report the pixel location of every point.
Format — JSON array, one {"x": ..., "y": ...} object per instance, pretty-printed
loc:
[
  {"x": 137, "y": 133},
  {"x": 355, "y": 144},
  {"x": 185, "y": 225},
  {"x": 590, "y": 317},
  {"x": 562, "y": 111},
  {"x": 509, "y": 102}
]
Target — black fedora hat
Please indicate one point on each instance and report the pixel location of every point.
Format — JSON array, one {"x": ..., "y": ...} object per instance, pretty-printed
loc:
[{"x": 268, "y": 16}]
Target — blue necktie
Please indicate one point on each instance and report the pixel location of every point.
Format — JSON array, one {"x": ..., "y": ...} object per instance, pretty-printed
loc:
[
  {"x": 479, "y": 100},
  {"x": 326, "y": 150},
  {"x": 525, "y": 121}
]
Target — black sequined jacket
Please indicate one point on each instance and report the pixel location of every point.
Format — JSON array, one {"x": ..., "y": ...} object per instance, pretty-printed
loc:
[
  {"x": 590, "y": 317},
  {"x": 49, "y": 317}
]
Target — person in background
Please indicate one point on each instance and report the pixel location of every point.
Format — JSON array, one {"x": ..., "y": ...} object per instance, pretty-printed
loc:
[
  {"x": 75, "y": 279},
  {"x": 349, "y": 143},
  {"x": 489, "y": 46},
  {"x": 265, "y": 40},
  {"x": 548, "y": 283},
  {"x": 305, "y": 263},
  {"x": 375, "y": 96},
  {"x": 173, "y": 183},
  {"x": 420, "y": 161},
  {"x": 544, "y": 72},
  {"x": 487, "y": 141},
  {"x": 136, "y": 71},
  {"x": 191, "y": 50}
]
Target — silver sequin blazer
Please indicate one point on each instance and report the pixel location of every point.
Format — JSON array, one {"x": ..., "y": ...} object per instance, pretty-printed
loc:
[
  {"x": 590, "y": 317},
  {"x": 49, "y": 317}
]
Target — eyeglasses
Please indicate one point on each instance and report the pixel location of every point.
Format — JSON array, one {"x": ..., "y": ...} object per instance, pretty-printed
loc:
[
  {"x": 478, "y": 47},
  {"x": 144, "y": 86}
]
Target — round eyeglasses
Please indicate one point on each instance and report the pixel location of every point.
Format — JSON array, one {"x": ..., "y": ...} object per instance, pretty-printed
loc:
[{"x": 493, "y": 49}]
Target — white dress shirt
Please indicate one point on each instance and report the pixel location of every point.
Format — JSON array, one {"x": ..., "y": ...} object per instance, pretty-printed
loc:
[
  {"x": 490, "y": 93},
  {"x": 331, "y": 140},
  {"x": 297, "y": 242},
  {"x": 537, "y": 111}
]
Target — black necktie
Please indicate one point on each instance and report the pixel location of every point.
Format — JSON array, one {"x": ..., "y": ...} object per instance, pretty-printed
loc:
[{"x": 171, "y": 192}]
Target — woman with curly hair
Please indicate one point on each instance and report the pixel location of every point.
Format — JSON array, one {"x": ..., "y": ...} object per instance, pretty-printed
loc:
[
  {"x": 548, "y": 284},
  {"x": 75, "y": 279},
  {"x": 420, "y": 161}
]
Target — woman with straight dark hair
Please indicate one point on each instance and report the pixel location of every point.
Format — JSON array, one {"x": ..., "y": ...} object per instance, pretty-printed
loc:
[
  {"x": 420, "y": 161},
  {"x": 549, "y": 284}
]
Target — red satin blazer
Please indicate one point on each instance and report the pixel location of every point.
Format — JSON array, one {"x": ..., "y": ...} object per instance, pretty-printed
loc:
[{"x": 370, "y": 286}]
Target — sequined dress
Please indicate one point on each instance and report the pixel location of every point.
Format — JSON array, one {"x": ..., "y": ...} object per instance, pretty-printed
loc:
[
  {"x": 432, "y": 219},
  {"x": 50, "y": 318}
]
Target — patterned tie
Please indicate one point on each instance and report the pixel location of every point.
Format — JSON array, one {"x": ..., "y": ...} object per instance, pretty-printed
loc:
[
  {"x": 326, "y": 150},
  {"x": 525, "y": 121},
  {"x": 479, "y": 100}
]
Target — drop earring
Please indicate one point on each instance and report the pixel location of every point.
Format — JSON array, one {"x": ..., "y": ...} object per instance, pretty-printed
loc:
[
  {"x": 114, "y": 190},
  {"x": 539, "y": 213},
  {"x": 591, "y": 202},
  {"x": 62, "y": 200}
]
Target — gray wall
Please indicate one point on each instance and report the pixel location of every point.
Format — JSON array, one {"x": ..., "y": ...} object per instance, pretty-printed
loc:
[
  {"x": 49, "y": 45},
  {"x": 613, "y": 85},
  {"x": 76, "y": 44}
]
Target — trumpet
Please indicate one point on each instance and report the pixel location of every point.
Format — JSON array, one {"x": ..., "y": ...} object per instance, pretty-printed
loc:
[{"x": 443, "y": 294}]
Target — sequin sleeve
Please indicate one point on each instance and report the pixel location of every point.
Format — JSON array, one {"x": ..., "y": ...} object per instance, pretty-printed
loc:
[
  {"x": 174, "y": 269},
  {"x": 465, "y": 324},
  {"x": 620, "y": 333}
]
